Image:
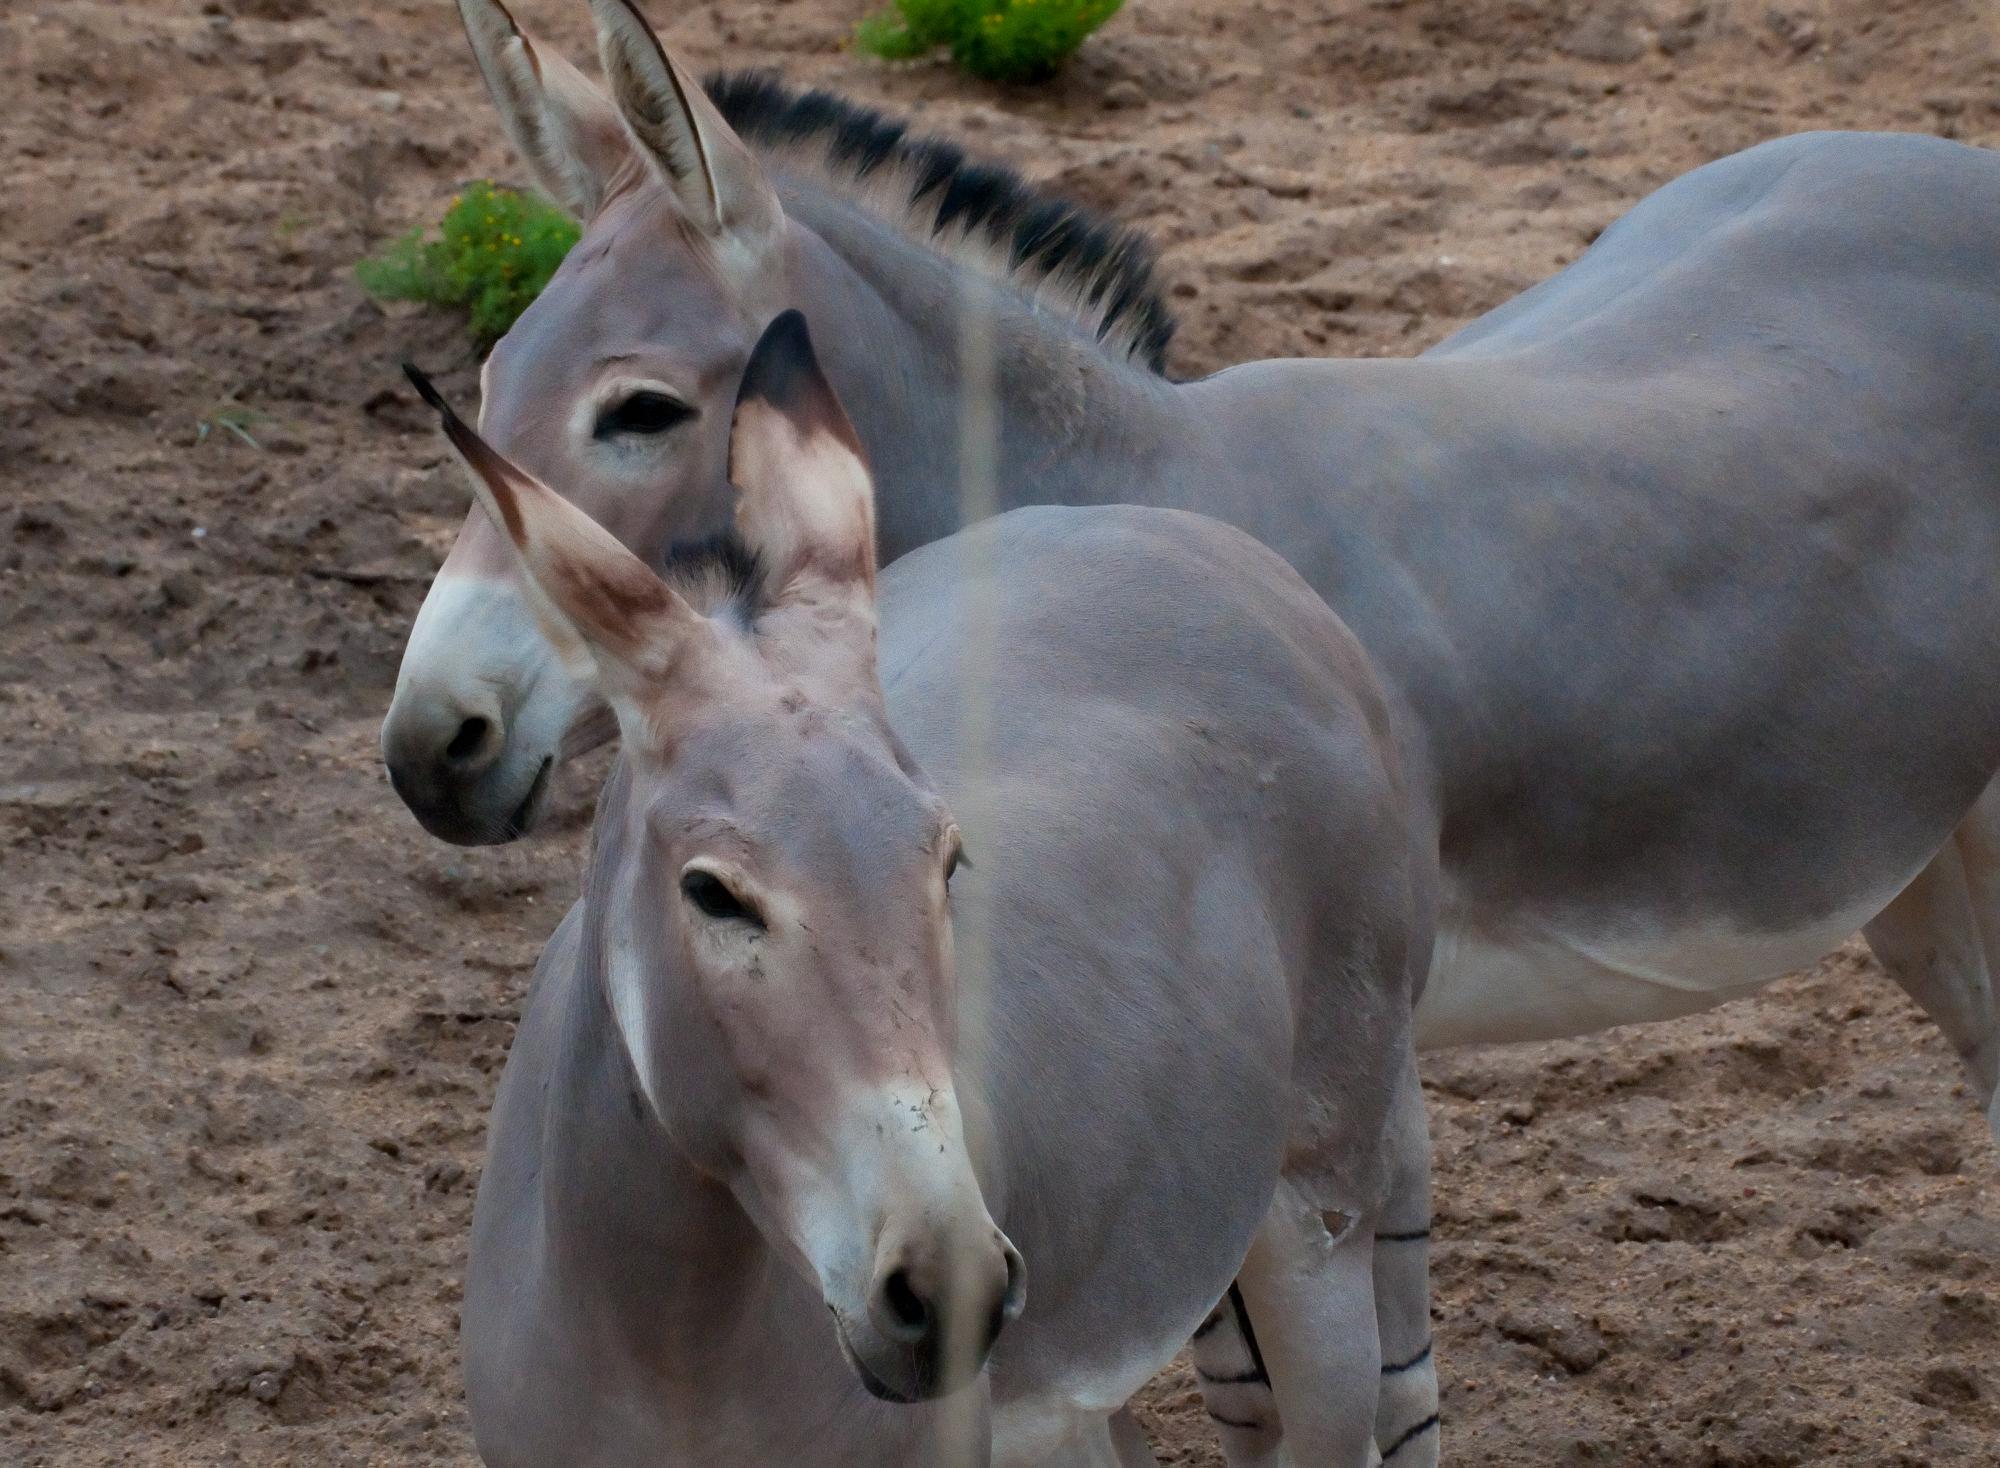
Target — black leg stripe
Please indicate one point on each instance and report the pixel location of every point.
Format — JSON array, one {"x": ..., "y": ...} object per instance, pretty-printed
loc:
[
  {"x": 1207, "y": 1325},
  {"x": 1410, "y": 1365},
  {"x": 1415, "y": 1236},
  {"x": 1232, "y": 1422},
  {"x": 1411, "y": 1436},
  {"x": 1249, "y": 1331},
  {"x": 1242, "y": 1378}
]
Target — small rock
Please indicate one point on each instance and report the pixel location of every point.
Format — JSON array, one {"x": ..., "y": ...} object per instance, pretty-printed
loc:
[
  {"x": 180, "y": 589},
  {"x": 1121, "y": 95},
  {"x": 443, "y": 1177},
  {"x": 1603, "y": 38},
  {"x": 281, "y": 10},
  {"x": 1675, "y": 39}
]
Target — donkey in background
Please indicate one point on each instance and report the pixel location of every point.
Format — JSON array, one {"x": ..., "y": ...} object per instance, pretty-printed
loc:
[
  {"x": 1676, "y": 571},
  {"x": 794, "y": 1054}
]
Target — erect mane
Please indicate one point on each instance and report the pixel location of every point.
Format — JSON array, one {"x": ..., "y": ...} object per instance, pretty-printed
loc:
[
  {"x": 1099, "y": 273},
  {"x": 717, "y": 573}
]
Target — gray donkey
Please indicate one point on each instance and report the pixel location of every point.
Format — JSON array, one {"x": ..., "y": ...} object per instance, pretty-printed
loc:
[
  {"x": 1677, "y": 571},
  {"x": 1678, "y": 568},
  {"x": 804, "y": 1067}
]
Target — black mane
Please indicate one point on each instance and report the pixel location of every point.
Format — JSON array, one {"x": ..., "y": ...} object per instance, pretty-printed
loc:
[{"x": 1109, "y": 268}]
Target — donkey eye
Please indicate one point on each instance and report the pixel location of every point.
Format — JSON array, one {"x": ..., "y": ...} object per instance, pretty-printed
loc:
[
  {"x": 643, "y": 413},
  {"x": 713, "y": 898}
]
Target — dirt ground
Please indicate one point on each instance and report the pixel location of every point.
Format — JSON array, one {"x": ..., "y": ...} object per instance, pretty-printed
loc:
[{"x": 253, "y": 1016}]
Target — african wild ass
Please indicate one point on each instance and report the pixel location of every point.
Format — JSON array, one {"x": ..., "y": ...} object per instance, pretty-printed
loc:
[
  {"x": 1676, "y": 569},
  {"x": 780, "y": 1061}
]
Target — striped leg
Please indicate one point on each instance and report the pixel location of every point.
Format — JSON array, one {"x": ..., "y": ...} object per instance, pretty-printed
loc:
[
  {"x": 1234, "y": 1385},
  {"x": 1308, "y": 1281},
  {"x": 1406, "y": 1412},
  {"x": 1235, "y": 1388}
]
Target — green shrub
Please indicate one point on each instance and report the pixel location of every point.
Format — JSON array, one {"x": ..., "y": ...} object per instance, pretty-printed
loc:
[
  {"x": 494, "y": 251},
  {"x": 1000, "y": 40}
]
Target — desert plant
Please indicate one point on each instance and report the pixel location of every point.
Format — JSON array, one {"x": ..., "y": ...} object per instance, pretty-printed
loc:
[
  {"x": 494, "y": 251},
  {"x": 1000, "y": 40}
]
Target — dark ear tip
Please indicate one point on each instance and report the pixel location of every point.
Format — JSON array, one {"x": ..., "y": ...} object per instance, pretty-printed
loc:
[
  {"x": 424, "y": 387},
  {"x": 787, "y": 328},
  {"x": 782, "y": 364}
]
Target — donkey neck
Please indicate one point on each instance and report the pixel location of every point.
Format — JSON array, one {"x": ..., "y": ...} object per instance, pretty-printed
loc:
[
  {"x": 615, "y": 1185},
  {"x": 901, "y": 328}
]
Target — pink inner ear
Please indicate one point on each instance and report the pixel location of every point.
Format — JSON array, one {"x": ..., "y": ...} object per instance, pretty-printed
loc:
[
  {"x": 806, "y": 504},
  {"x": 807, "y": 499}
]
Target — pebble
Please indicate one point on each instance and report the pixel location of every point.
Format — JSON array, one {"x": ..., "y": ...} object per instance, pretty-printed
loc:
[{"x": 1121, "y": 95}]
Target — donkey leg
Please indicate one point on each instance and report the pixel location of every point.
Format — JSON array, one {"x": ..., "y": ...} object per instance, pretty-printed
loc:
[
  {"x": 1234, "y": 1387},
  {"x": 1406, "y": 1413},
  {"x": 1128, "y": 1441},
  {"x": 1941, "y": 941},
  {"x": 1309, "y": 1284}
]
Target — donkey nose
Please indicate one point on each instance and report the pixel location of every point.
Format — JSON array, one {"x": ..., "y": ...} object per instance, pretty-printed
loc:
[
  {"x": 938, "y": 1301},
  {"x": 475, "y": 744},
  {"x": 436, "y": 748}
]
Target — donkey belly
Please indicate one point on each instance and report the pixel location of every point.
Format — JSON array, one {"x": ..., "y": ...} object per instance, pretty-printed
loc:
[{"x": 1517, "y": 979}]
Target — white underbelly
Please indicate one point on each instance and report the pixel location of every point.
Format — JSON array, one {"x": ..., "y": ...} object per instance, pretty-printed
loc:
[{"x": 1528, "y": 980}]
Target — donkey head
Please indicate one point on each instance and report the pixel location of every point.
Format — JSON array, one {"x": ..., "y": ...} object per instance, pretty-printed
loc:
[
  {"x": 769, "y": 887},
  {"x": 616, "y": 384}
]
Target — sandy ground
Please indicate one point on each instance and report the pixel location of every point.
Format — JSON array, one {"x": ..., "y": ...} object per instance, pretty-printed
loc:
[{"x": 253, "y": 1017}]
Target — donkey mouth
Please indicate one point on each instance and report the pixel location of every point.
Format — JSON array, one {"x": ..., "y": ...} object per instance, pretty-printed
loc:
[
  {"x": 529, "y": 811},
  {"x": 925, "y": 1387},
  {"x": 877, "y": 1387}
]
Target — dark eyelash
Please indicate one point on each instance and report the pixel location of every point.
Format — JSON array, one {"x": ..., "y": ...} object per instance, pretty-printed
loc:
[
  {"x": 714, "y": 898},
  {"x": 642, "y": 413}
]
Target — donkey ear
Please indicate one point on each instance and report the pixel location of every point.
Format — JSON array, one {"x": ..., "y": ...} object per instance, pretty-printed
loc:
[
  {"x": 718, "y": 180},
  {"x": 604, "y": 610},
  {"x": 565, "y": 130},
  {"x": 806, "y": 503}
]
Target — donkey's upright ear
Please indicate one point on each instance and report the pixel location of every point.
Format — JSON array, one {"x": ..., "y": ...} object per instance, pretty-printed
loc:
[
  {"x": 565, "y": 130},
  {"x": 805, "y": 503},
  {"x": 602, "y": 607},
  {"x": 722, "y": 188}
]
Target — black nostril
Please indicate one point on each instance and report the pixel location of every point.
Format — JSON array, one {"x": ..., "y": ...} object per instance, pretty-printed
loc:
[
  {"x": 465, "y": 743},
  {"x": 906, "y": 1307}
]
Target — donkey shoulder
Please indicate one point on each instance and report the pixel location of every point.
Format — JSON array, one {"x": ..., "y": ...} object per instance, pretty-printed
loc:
[{"x": 1174, "y": 618}]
